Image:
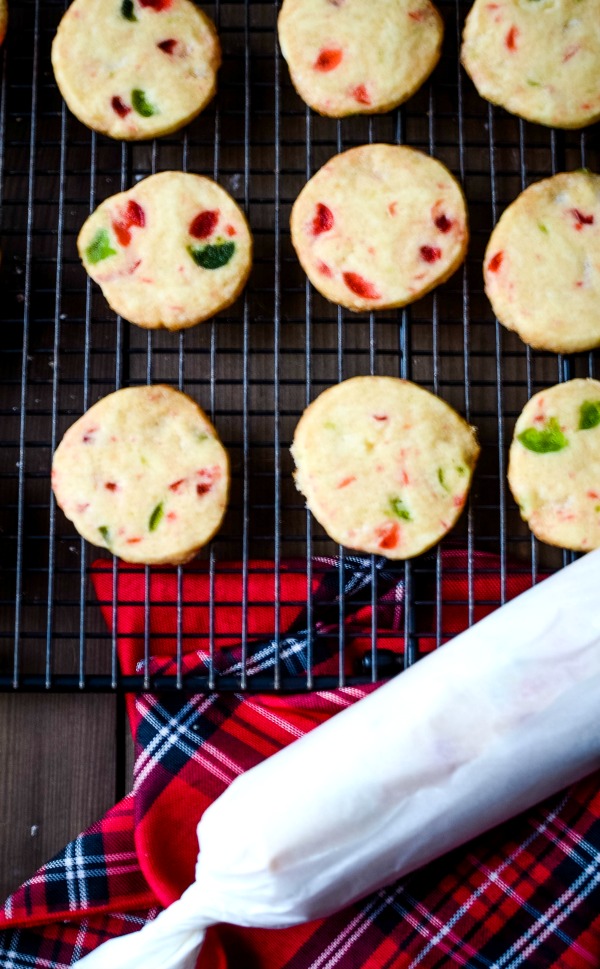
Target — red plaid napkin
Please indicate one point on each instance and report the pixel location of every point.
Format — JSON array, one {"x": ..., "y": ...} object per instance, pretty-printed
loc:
[{"x": 526, "y": 894}]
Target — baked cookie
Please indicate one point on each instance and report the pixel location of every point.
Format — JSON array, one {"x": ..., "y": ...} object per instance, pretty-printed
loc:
[
  {"x": 378, "y": 226},
  {"x": 384, "y": 465},
  {"x": 542, "y": 264},
  {"x": 170, "y": 252},
  {"x": 144, "y": 475},
  {"x": 359, "y": 56},
  {"x": 554, "y": 465},
  {"x": 539, "y": 59},
  {"x": 3, "y": 19},
  {"x": 136, "y": 69}
]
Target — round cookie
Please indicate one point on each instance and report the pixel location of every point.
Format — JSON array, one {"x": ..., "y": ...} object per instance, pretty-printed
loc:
[
  {"x": 384, "y": 465},
  {"x": 170, "y": 252},
  {"x": 143, "y": 474},
  {"x": 542, "y": 264},
  {"x": 539, "y": 59},
  {"x": 359, "y": 56},
  {"x": 378, "y": 226},
  {"x": 136, "y": 69},
  {"x": 554, "y": 464}
]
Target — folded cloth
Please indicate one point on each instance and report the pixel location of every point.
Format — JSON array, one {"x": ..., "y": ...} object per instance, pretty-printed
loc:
[{"x": 526, "y": 894}]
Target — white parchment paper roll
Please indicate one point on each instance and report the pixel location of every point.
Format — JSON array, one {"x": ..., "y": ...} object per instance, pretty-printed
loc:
[{"x": 498, "y": 719}]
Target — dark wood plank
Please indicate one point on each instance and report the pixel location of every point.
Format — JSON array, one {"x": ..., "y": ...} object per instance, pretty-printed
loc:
[{"x": 58, "y": 756}]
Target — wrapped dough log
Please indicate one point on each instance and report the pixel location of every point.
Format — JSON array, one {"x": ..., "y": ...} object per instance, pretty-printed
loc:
[{"x": 495, "y": 721}]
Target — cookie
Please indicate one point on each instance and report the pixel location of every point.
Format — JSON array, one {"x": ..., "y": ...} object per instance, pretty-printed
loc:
[
  {"x": 384, "y": 465},
  {"x": 378, "y": 226},
  {"x": 136, "y": 69},
  {"x": 542, "y": 264},
  {"x": 554, "y": 465},
  {"x": 359, "y": 56},
  {"x": 144, "y": 475},
  {"x": 170, "y": 252},
  {"x": 539, "y": 59}
]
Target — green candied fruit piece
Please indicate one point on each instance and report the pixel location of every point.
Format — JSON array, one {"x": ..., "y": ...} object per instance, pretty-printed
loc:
[
  {"x": 141, "y": 104},
  {"x": 202, "y": 436},
  {"x": 460, "y": 470},
  {"x": 551, "y": 438},
  {"x": 100, "y": 247},
  {"x": 127, "y": 10},
  {"x": 589, "y": 415},
  {"x": 399, "y": 509},
  {"x": 156, "y": 517},
  {"x": 104, "y": 531},
  {"x": 212, "y": 256},
  {"x": 442, "y": 479},
  {"x": 543, "y": 228}
]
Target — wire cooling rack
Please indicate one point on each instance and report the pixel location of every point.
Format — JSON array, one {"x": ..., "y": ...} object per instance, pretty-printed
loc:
[{"x": 254, "y": 368}]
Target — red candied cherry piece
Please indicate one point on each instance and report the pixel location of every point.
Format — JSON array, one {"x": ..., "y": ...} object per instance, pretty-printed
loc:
[
  {"x": 230, "y": 230},
  {"x": 346, "y": 481},
  {"x": 443, "y": 223},
  {"x": 324, "y": 269},
  {"x": 495, "y": 262},
  {"x": 176, "y": 485},
  {"x": 511, "y": 39},
  {"x": 380, "y": 417},
  {"x": 430, "y": 253},
  {"x": 388, "y": 535},
  {"x": 120, "y": 107},
  {"x": 328, "y": 59},
  {"x": 581, "y": 219},
  {"x": 360, "y": 286},
  {"x": 133, "y": 541},
  {"x": 203, "y": 488},
  {"x": 323, "y": 220},
  {"x": 122, "y": 233},
  {"x": 111, "y": 486},
  {"x": 134, "y": 214},
  {"x": 157, "y": 5},
  {"x": 361, "y": 94},
  {"x": 167, "y": 46},
  {"x": 204, "y": 224}
]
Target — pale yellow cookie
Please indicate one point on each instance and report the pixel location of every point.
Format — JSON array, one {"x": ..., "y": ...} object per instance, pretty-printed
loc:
[
  {"x": 144, "y": 475},
  {"x": 136, "y": 69},
  {"x": 539, "y": 59},
  {"x": 542, "y": 264},
  {"x": 378, "y": 226},
  {"x": 359, "y": 56},
  {"x": 554, "y": 465},
  {"x": 170, "y": 252},
  {"x": 384, "y": 465}
]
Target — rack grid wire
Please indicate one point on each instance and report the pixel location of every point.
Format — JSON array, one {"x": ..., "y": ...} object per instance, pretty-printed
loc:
[{"x": 254, "y": 368}]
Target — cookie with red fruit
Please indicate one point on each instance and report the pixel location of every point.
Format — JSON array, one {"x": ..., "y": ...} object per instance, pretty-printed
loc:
[
  {"x": 144, "y": 475},
  {"x": 136, "y": 69},
  {"x": 170, "y": 252},
  {"x": 380, "y": 225},
  {"x": 547, "y": 243},
  {"x": 359, "y": 56},
  {"x": 554, "y": 464},
  {"x": 384, "y": 465},
  {"x": 539, "y": 59}
]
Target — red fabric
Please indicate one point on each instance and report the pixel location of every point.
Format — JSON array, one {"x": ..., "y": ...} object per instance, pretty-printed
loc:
[{"x": 473, "y": 908}]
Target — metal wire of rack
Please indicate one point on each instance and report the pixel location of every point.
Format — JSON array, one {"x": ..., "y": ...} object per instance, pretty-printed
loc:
[{"x": 255, "y": 367}]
